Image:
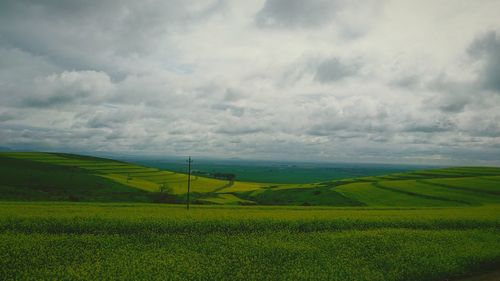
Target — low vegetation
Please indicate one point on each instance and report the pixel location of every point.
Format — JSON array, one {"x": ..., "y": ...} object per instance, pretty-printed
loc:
[
  {"x": 56, "y": 176},
  {"x": 437, "y": 224},
  {"x": 89, "y": 241}
]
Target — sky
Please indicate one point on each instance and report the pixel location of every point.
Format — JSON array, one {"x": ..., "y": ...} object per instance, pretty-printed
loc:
[{"x": 339, "y": 81}]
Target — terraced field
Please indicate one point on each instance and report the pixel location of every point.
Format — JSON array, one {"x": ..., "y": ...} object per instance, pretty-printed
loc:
[
  {"x": 61, "y": 167},
  {"x": 459, "y": 186},
  {"x": 438, "y": 224},
  {"x": 56, "y": 176},
  {"x": 443, "y": 187},
  {"x": 148, "y": 179}
]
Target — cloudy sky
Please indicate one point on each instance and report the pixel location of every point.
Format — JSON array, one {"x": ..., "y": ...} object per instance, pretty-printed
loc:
[{"x": 363, "y": 81}]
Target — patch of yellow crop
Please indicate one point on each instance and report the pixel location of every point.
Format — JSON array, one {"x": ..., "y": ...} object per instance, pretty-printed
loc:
[{"x": 133, "y": 182}]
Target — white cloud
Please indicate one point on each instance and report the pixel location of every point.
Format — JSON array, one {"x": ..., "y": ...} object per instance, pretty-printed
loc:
[{"x": 401, "y": 81}]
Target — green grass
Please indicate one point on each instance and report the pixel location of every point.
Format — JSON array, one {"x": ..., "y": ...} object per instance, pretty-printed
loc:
[
  {"x": 226, "y": 199},
  {"x": 277, "y": 173},
  {"x": 372, "y": 195},
  {"x": 479, "y": 185},
  {"x": 421, "y": 225},
  {"x": 436, "y": 189},
  {"x": 369, "y": 255},
  {"x": 89, "y": 241},
  {"x": 56, "y": 176},
  {"x": 23, "y": 179},
  {"x": 300, "y": 196}
]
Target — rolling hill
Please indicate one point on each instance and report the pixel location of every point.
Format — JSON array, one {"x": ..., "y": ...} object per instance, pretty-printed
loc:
[
  {"x": 28, "y": 176},
  {"x": 422, "y": 225}
]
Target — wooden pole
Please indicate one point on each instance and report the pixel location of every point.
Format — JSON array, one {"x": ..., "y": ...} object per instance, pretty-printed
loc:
[{"x": 189, "y": 179}]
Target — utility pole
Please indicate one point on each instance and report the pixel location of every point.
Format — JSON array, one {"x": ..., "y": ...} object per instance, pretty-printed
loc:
[{"x": 189, "y": 179}]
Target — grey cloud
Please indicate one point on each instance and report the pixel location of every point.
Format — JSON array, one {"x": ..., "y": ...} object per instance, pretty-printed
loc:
[
  {"x": 111, "y": 119},
  {"x": 409, "y": 82},
  {"x": 70, "y": 32},
  {"x": 8, "y": 116},
  {"x": 229, "y": 100},
  {"x": 449, "y": 102},
  {"x": 17, "y": 65},
  {"x": 29, "y": 137},
  {"x": 183, "y": 127},
  {"x": 253, "y": 79},
  {"x": 487, "y": 49},
  {"x": 349, "y": 19},
  {"x": 69, "y": 87},
  {"x": 455, "y": 106},
  {"x": 482, "y": 126},
  {"x": 380, "y": 138},
  {"x": 295, "y": 13},
  {"x": 351, "y": 118},
  {"x": 454, "y": 96},
  {"x": 436, "y": 126},
  {"x": 237, "y": 129},
  {"x": 333, "y": 69},
  {"x": 324, "y": 130},
  {"x": 448, "y": 96},
  {"x": 235, "y": 110},
  {"x": 233, "y": 95}
]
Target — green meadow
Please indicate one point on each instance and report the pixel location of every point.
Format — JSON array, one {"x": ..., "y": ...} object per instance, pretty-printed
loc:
[
  {"x": 265, "y": 172},
  {"x": 73, "y": 217},
  {"x": 67, "y": 177}
]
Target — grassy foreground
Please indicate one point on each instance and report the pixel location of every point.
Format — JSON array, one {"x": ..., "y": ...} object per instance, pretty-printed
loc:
[
  {"x": 439, "y": 224},
  {"x": 92, "y": 241}
]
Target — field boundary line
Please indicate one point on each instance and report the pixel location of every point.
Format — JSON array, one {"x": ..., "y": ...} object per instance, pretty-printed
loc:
[
  {"x": 425, "y": 196},
  {"x": 227, "y": 185},
  {"x": 459, "y": 187}
]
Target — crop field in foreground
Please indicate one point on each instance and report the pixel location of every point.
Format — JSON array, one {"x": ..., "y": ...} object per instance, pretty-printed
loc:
[
  {"x": 439, "y": 224},
  {"x": 96, "y": 241}
]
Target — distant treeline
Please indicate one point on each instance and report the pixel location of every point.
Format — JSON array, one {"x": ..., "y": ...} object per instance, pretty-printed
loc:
[{"x": 220, "y": 176}]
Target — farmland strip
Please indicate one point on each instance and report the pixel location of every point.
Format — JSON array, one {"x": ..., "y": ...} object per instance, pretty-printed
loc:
[
  {"x": 378, "y": 185},
  {"x": 459, "y": 187}
]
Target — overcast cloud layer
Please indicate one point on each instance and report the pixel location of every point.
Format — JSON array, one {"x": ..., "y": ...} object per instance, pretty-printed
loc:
[{"x": 368, "y": 81}]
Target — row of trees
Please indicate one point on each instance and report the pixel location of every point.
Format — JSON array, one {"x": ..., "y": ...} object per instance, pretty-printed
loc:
[{"x": 223, "y": 176}]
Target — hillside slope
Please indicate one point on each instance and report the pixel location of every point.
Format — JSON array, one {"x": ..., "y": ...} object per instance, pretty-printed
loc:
[
  {"x": 56, "y": 176},
  {"x": 27, "y": 180}
]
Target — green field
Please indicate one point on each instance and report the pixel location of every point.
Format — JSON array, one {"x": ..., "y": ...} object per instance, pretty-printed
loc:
[
  {"x": 276, "y": 172},
  {"x": 439, "y": 224},
  {"x": 90, "y": 241},
  {"x": 63, "y": 177}
]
